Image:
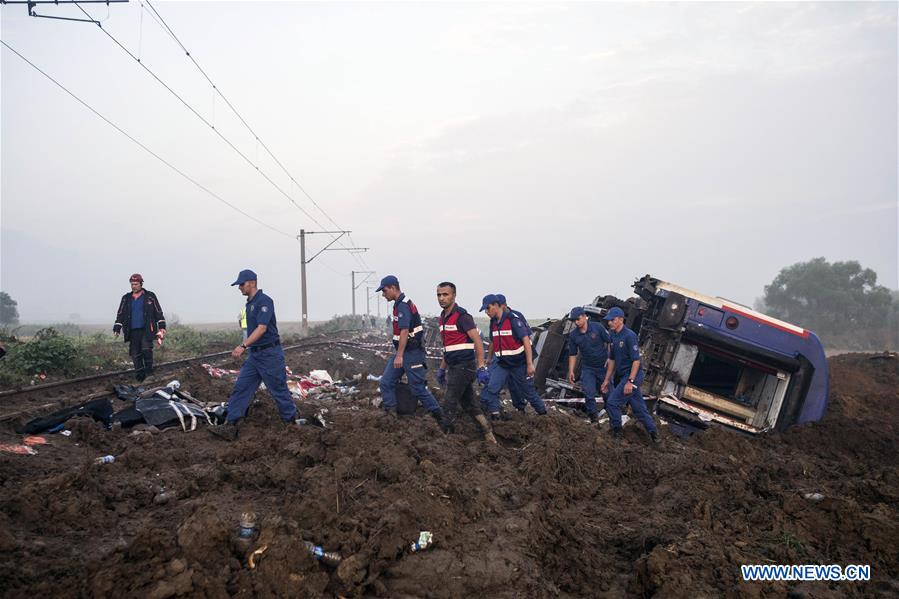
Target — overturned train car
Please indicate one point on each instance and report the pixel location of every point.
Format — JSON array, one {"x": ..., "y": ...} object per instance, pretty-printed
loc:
[{"x": 708, "y": 359}]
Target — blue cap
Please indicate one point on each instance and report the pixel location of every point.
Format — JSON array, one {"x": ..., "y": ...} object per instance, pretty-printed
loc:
[
  {"x": 244, "y": 276},
  {"x": 613, "y": 313},
  {"x": 488, "y": 299},
  {"x": 388, "y": 280},
  {"x": 576, "y": 313},
  {"x": 500, "y": 298}
]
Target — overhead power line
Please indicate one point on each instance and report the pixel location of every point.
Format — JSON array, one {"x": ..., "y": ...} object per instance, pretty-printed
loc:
[
  {"x": 206, "y": 121},
  {"x": 200, "y": 116},
  {"x": 145, "y": 148},
  {"x": 240, "y": 117}
]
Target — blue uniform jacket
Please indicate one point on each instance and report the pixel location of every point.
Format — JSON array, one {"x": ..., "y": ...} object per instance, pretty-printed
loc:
[
  {"x": 261, "y": 310},
  {"x": 593, "y": 345}
]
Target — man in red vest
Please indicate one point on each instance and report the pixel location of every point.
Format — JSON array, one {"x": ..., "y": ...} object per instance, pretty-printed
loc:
[
  {"x": 513, "y": 358},
  {"x": 463, "y": 351}
]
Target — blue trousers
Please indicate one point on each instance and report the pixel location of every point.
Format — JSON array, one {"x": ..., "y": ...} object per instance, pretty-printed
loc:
[
  {"x": 415, "y": 368},
  {"x": 521, "y": 388},
  {"x": 263, "y": 366},
  {"x": 590, "y": 375},
  {"x": 617, "y": 399}
]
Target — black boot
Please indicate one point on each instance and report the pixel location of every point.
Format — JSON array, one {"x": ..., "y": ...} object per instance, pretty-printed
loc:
[
  {"x": 654, "y": 435},
  {"x": 228, "y": 431},
  {"x": 139, "y": 373},
  {"x": 438, "y": 416},
  {"x": 594, "y": 418},
  {"x": 616, "y": 434}
]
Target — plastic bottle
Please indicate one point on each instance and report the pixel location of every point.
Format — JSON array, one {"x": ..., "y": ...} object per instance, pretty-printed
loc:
[
  {"x": 329, "y": 558},
  {"x": 246, "y": 532},
  {"x": 107, "y": 459},
  {"x": 247, "y": 528}
]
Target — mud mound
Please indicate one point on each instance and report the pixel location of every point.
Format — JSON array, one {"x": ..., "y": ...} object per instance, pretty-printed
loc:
[{"x": 557, "y": 509}]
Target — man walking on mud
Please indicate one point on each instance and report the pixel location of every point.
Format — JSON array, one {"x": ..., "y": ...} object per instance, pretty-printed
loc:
[
  {"x": 142, "y": 320},
  {"x": 462, "y": 363},
  {"x": 265, "y": 363},
  {"x": 408, "y": 335},
  {"x": 513, "y": 359},
  {"x": 590, "y": 340},
  {"x": 627, "y": 370}
]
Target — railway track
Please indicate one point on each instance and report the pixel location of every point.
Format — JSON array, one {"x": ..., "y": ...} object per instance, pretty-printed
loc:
[{"x": 90, "y": 382}]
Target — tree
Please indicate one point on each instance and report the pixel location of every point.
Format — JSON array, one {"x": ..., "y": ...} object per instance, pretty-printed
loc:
[
  {"x": 832, "y": 299},
  {"x": 9, "y": 312}
]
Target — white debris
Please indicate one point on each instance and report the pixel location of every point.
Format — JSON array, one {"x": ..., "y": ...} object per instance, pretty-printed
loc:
[{"x": 321, "y": 375}]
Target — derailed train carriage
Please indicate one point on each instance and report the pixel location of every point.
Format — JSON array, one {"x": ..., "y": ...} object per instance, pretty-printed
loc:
[{"x": 707, "y": 359}]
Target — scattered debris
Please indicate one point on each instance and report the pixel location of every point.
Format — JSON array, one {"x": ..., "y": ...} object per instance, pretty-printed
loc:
[
  {"x": 246, "y": 531},
  {"x": 32, "y": 440},
  {"x": 329, "y": 558},
  {"x": 106, "y": 459},
  {"x": 425, "y": 540},
  {"x": 17, "y": 448},
  {"x": 165, "y": 497},
  {"x": 251, "y": 561},
  {"x": 813, "y": 496}
]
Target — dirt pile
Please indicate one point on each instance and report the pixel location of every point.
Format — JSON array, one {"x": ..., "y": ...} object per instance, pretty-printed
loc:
[{"x": 558, "y": 509}]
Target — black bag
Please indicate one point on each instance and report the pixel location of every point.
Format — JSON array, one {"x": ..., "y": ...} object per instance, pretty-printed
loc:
[
  {"x": 405, "y": 403},
  {"x": 98, "y": 409}
]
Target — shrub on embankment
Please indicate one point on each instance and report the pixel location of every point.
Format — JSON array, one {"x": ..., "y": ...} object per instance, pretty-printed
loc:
[{"x": 51, "y": 354}]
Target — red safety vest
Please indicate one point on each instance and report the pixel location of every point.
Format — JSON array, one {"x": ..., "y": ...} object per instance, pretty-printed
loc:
[
  {"x": 453, "y": 338},
  {"x": 416, "y": 331},
  {"x": 504, "y": 342}
]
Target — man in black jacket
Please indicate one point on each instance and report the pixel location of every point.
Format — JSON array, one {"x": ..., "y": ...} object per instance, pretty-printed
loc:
[{"x": 142, "y": 320}]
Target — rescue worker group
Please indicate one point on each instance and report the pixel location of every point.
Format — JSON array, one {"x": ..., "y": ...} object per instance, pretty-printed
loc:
[{"x": 610, "y": 357}]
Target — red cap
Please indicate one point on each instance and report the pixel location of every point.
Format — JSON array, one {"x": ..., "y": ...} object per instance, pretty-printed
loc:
[{"x": 136, "y": 277}]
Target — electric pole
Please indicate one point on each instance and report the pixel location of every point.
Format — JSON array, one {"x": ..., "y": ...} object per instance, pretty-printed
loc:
[
  {"x": 367, "y": 307},
  {"x": 353, "y": 274},
  {"x": 304, "y": 312}
]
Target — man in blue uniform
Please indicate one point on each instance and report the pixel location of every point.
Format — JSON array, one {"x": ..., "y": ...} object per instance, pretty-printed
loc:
[
  {"x": 410, "y": 358},
  {"x": 265, "y": 363},
  {"x": 513, "y": 359},
  {"x": 627, "y": 371},
  {"x": 590, "y": 340}
]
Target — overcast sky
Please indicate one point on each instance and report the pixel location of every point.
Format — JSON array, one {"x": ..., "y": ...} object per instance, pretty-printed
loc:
[{"x": 552, "y": 152}]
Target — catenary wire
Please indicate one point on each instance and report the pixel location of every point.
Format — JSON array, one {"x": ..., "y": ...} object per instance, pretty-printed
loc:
[
  {"x": 174, "y": 36},
  {"x": 145, "y": 148}
]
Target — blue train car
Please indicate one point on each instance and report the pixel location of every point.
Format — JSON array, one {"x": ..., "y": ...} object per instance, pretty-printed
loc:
[{"x": 708, "y": 359}]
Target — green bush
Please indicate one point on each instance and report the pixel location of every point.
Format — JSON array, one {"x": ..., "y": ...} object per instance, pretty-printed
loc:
[
  {"x": 185, "y": 340},
  {"x": 48, "y": 352}
]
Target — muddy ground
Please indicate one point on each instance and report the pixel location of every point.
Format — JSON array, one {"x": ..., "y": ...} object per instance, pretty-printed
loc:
[{"x": 557, "y": 509}]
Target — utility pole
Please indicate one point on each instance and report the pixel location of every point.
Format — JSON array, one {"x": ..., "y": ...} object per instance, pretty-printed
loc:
[
  {"x": 367, "y": 307},
  {"x": 353, "y": 274},
  {"x": 304, "y": 312}
]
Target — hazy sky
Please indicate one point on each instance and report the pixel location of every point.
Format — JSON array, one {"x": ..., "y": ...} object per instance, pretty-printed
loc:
[{"x": 552, "y": 152}]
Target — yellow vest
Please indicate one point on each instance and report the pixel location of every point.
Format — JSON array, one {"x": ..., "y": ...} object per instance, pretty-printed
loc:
[{"x": 243, "y": 318}]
